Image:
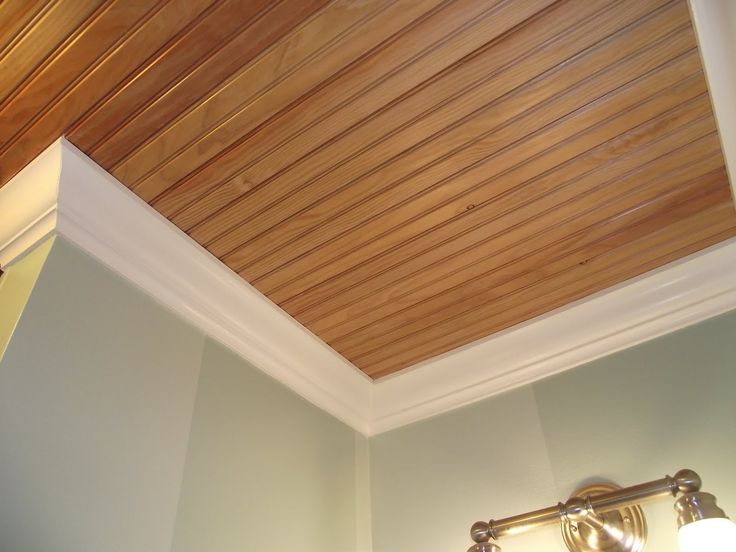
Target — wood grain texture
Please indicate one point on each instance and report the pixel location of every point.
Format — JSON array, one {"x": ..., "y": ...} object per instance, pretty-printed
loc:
[
  {"x": 188, "y": 50},
  {"x": 467, "y": 256},
  {"x": 611, "y": 160},
  {"x": 15, "y": 17},
  {"x": 101, "y": 33},
  {"x": 451, "y": 97},
  {"x": 356, "y": 94},
  {"x": 308, "y": 57},
  {"x": 41, "y": 40},
  {"x": 110, "y": 73},
  {"x": 582, "y": 226},
  {"x": 256, "y": 34},
  {"x": 568, "y": 136},
  {"x": 598, "y": 273},
  {"x": 402, "y": 176},
  {"x": 454, "y": 151}
]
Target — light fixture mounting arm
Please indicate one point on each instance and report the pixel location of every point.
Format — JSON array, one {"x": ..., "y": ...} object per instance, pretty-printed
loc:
[{"x": 587, "y": 509}]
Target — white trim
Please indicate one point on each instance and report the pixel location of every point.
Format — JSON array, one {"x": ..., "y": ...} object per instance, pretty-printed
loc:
[
  {"x": 28, "y": 206},
  {"x": 715, "y": 27},
  {"x": 678, "y": 295},
  {"x": 105, "y": 219},
  {"x": 65, "y": 191}
]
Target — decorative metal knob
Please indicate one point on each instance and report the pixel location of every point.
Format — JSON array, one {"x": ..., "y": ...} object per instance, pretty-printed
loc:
[
  {"x": 480, "y": 532},
  {"x": 687, "y": 481}
]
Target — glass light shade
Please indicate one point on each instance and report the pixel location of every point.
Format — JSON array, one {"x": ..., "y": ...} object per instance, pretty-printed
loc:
[{"x": 708, "y": 535}]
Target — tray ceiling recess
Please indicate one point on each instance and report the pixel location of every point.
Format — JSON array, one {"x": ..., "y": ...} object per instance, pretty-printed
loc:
[{"x": 402, "y": 177}]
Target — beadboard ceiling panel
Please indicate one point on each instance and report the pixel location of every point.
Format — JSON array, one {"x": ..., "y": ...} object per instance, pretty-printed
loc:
[{"x": 403, "y": 177}]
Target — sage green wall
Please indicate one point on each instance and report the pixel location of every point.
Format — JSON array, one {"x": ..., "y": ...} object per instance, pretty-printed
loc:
[
  {"x": 16, "y": 285},
  {"x": 96, "y": 391},
  {"x": 265, "y": 469},
  {"x": 100, "y": 388},
  {"x": 123, "y": 428},
  {"x": 632, "y": 416}
]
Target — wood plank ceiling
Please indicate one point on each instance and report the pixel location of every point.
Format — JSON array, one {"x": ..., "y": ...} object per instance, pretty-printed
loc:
[{"x": 402, "y": 176}]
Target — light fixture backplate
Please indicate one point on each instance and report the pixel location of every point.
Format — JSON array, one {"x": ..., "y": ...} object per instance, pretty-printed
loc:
[{"x": 626, "y": 528}]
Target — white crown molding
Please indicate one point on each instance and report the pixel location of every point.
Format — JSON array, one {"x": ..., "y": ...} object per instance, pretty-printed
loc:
[
  {"x": 677, "y": 295},
  {"x": 64, "y": 191},
  {"x": 28, "y": 206}
]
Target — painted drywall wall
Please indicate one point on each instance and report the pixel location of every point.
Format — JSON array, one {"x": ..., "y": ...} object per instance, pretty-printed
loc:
[
  {"x": 112, "y": 409},
  {"x": 96, "y": 391},
  {"x": 431, "y": 479},
  {"x": 123, "y": 428},
  {"x": 16, "y": 285},
  {"x": 265, "y": 469},
  {"x": 630, "y": 417}
]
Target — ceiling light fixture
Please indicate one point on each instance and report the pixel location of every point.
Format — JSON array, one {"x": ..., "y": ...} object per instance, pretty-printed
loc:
[{"x": 606, "y": 517}]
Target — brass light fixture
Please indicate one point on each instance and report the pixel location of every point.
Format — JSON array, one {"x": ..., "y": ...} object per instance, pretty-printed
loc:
[{"x": 604, "y": 517}]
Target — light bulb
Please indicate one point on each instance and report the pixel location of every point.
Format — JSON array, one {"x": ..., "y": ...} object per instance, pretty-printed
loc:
[{"x": 708, "y": 535}]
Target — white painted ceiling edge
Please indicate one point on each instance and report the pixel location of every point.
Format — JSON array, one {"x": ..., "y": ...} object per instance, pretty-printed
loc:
[{"x": 64, "y": 191}]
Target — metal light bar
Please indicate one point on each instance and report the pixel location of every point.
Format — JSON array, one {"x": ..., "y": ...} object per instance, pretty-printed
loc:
[{"x": 591, "y": 509}]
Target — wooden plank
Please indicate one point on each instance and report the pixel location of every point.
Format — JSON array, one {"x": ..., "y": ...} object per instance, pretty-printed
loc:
[
  {"x": 16, "y": 17},
  {"x": 405, "y": 177},
  {"x": 435, "y": 207},
  {"x": 46, "y": 35},
  {"x": 580, "y": 256},
  {"x": 638, "y": 213},
  {"x": 287, "y": 56},
  {"x": 553, "y": 284},
  {"x": 111, "y": 71},
  {"x": 403, "y": 63},
  {"x": 69, "y": 66},
  {"x": 392, "y": 277},
  {"x": 620, "y": 111},
  {"x": 387, "y": 369},
  {"x": 162, "y": 70},
  {"x": 573, "y": 295},
  {"x": 345, "y": 31},
  {"x": 603, "y": 271},
  {"x": 404, "y": 125},
  {"x": 538, "y": 223},
  {"x": 260, "y": 33},
  {"x": 521, "y": 272}
]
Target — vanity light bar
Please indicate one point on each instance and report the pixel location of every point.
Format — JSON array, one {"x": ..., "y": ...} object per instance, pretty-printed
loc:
[{"x": 604, "y": 512}]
